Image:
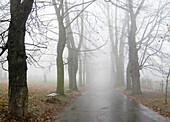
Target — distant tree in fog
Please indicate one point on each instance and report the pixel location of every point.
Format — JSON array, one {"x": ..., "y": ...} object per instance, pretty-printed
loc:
[
  {"x": 117, "y": 45},
  {"x": 62, "y": 12},
  {"x": 142, "y": 36},
  {"x": 166, "y": 89}
]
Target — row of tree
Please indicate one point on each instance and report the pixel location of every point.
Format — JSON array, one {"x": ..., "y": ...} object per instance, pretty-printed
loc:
[
  {"x": 137, "y": 33},
  {"x": 13, "y": 40},
  {"x": 142, "y": 27}
]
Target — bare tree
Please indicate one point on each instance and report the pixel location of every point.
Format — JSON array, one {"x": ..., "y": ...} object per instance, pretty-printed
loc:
[
  {"x": 59, "y": 8},
  {"x": 80, "y": 55},
  {"x": 18, "y": 91},
  {"x": 166, "y": 90},
  {"x": 61, "y": 14},
  {"x": 141, "y": 37},
  {"x": 117, "y": 39}
]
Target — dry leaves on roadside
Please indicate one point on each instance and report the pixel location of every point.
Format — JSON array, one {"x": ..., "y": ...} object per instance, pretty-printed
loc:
[
  {"x": 153, "y": 99},
  {"x": 39, "y": 109}
]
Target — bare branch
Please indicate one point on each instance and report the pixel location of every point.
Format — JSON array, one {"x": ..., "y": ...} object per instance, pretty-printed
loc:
[
  {"x": 3, "y": 49},
  {"x": 139, "y": 8},
  {"x": 116, "y": 5},
  {"x": 80, "y": 13}
]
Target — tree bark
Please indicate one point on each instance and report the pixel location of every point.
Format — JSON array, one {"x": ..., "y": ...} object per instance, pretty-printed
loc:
[
  {"x": 84, "y": 70},
  {"x": 80, "y": 72},
  {"x": 113, "y": 69},
  {"x": 73, "y": 67},
  {"x": 116, "y": 55},
  {"x": 128, "y": 78},
  {"x": 60, "y": 47},
  {"x": 133, "y": 58},
  {"x": 79, "y": 47},
  {"x": 73, "y": 55},
  {"x": 113, "y": 66},
  {"x": 133, "y": 53},
  {"x": 88, "y": 72},
  {"x": 17, "y": 66},
  {"x": 60, "y": 65},
  {"x": 73, "y": 52},
  {"x": 121, "y": 53},
  {"x": 166, "y": 88}
]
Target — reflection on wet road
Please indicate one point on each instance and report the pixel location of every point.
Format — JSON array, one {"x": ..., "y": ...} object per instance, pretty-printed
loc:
[{"x": 101, "y": 103}]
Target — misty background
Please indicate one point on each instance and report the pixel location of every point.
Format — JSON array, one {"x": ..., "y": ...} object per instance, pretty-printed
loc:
[{"x": 98, "y": 62}]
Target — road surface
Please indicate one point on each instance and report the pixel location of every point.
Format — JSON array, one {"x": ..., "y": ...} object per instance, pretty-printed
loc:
[{"x": 101, "y": 103}]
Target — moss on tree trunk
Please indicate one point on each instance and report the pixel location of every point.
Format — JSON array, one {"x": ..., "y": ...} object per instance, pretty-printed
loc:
[{"x": 17, "y": 66}]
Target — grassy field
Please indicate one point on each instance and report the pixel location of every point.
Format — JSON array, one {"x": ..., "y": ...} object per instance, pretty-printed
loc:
[{"x": 39, "y": 108}]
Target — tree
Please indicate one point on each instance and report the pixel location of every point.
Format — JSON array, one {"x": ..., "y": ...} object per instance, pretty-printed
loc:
[
  {"x": 61, "y": 14},
  {"x": 80, "y": 55},
  {"x": 17, "y": 66},
  {"x": 110, "y": 27},
  {"x": 80, "y": 71},
  {"x": 147, "y": 44},
  {"x": 60, "y": 47},
  {"x": 137, "y": 34},
  {"x": 73, "y": 50},
  {"x": 166, "y": 90},
  {"x": 72, "y": 54},
  {"x": 133, "y": 52},
  {"x": 128, "y": 78},
  {"x": 117, "y": 44}
]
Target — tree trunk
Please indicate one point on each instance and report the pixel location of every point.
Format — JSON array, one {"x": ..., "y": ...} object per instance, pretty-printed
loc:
[
  {"x": 162, "y": 86},
  {"x": 45, "y": 77},
  {"x": 166, "y": 88},
  {"x": 113, "y": 69},
  {"x": 133, "y": 57},
  {"x": 70, "y": 66},
  {"x": 80, "y": 72},
  {"x": 60, "y": 47},
  {"x": 118, "y": 75},
  {"x": 121, "y": 52},
  {"x": 133, "y": 52},
  {"x": 73, "y": 52},
  {"x": 166, "y": 92},
  {"x": 84, "y": 70},
  {"x": 60, "y": 65},
  {"x": 88, "y": 72},
  {"x": 73, "y": 66},
  {"x": 110, "y": 27},
  {"x": 17, "y": 66},
  {"x": 128, "y": 78},
  {"x": 72, "y": 56},
  {"x": 79, "y": 47}
]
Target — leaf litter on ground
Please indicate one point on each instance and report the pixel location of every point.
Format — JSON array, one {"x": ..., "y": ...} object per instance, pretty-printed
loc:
[
  {"x": 39, "y": 108},
  {"x": 153, "y": 99}
]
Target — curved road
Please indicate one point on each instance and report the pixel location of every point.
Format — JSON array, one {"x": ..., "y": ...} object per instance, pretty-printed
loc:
[{"x": 101, "y": 103}]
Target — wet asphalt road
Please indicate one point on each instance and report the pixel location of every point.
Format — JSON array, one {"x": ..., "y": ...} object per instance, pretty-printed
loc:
[{"x": 101, "y": 103}]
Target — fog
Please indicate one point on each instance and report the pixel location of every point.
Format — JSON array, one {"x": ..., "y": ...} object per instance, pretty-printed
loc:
[
  {"x": 102, "y": 58},
  {"x": 98, "y": 62}
]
